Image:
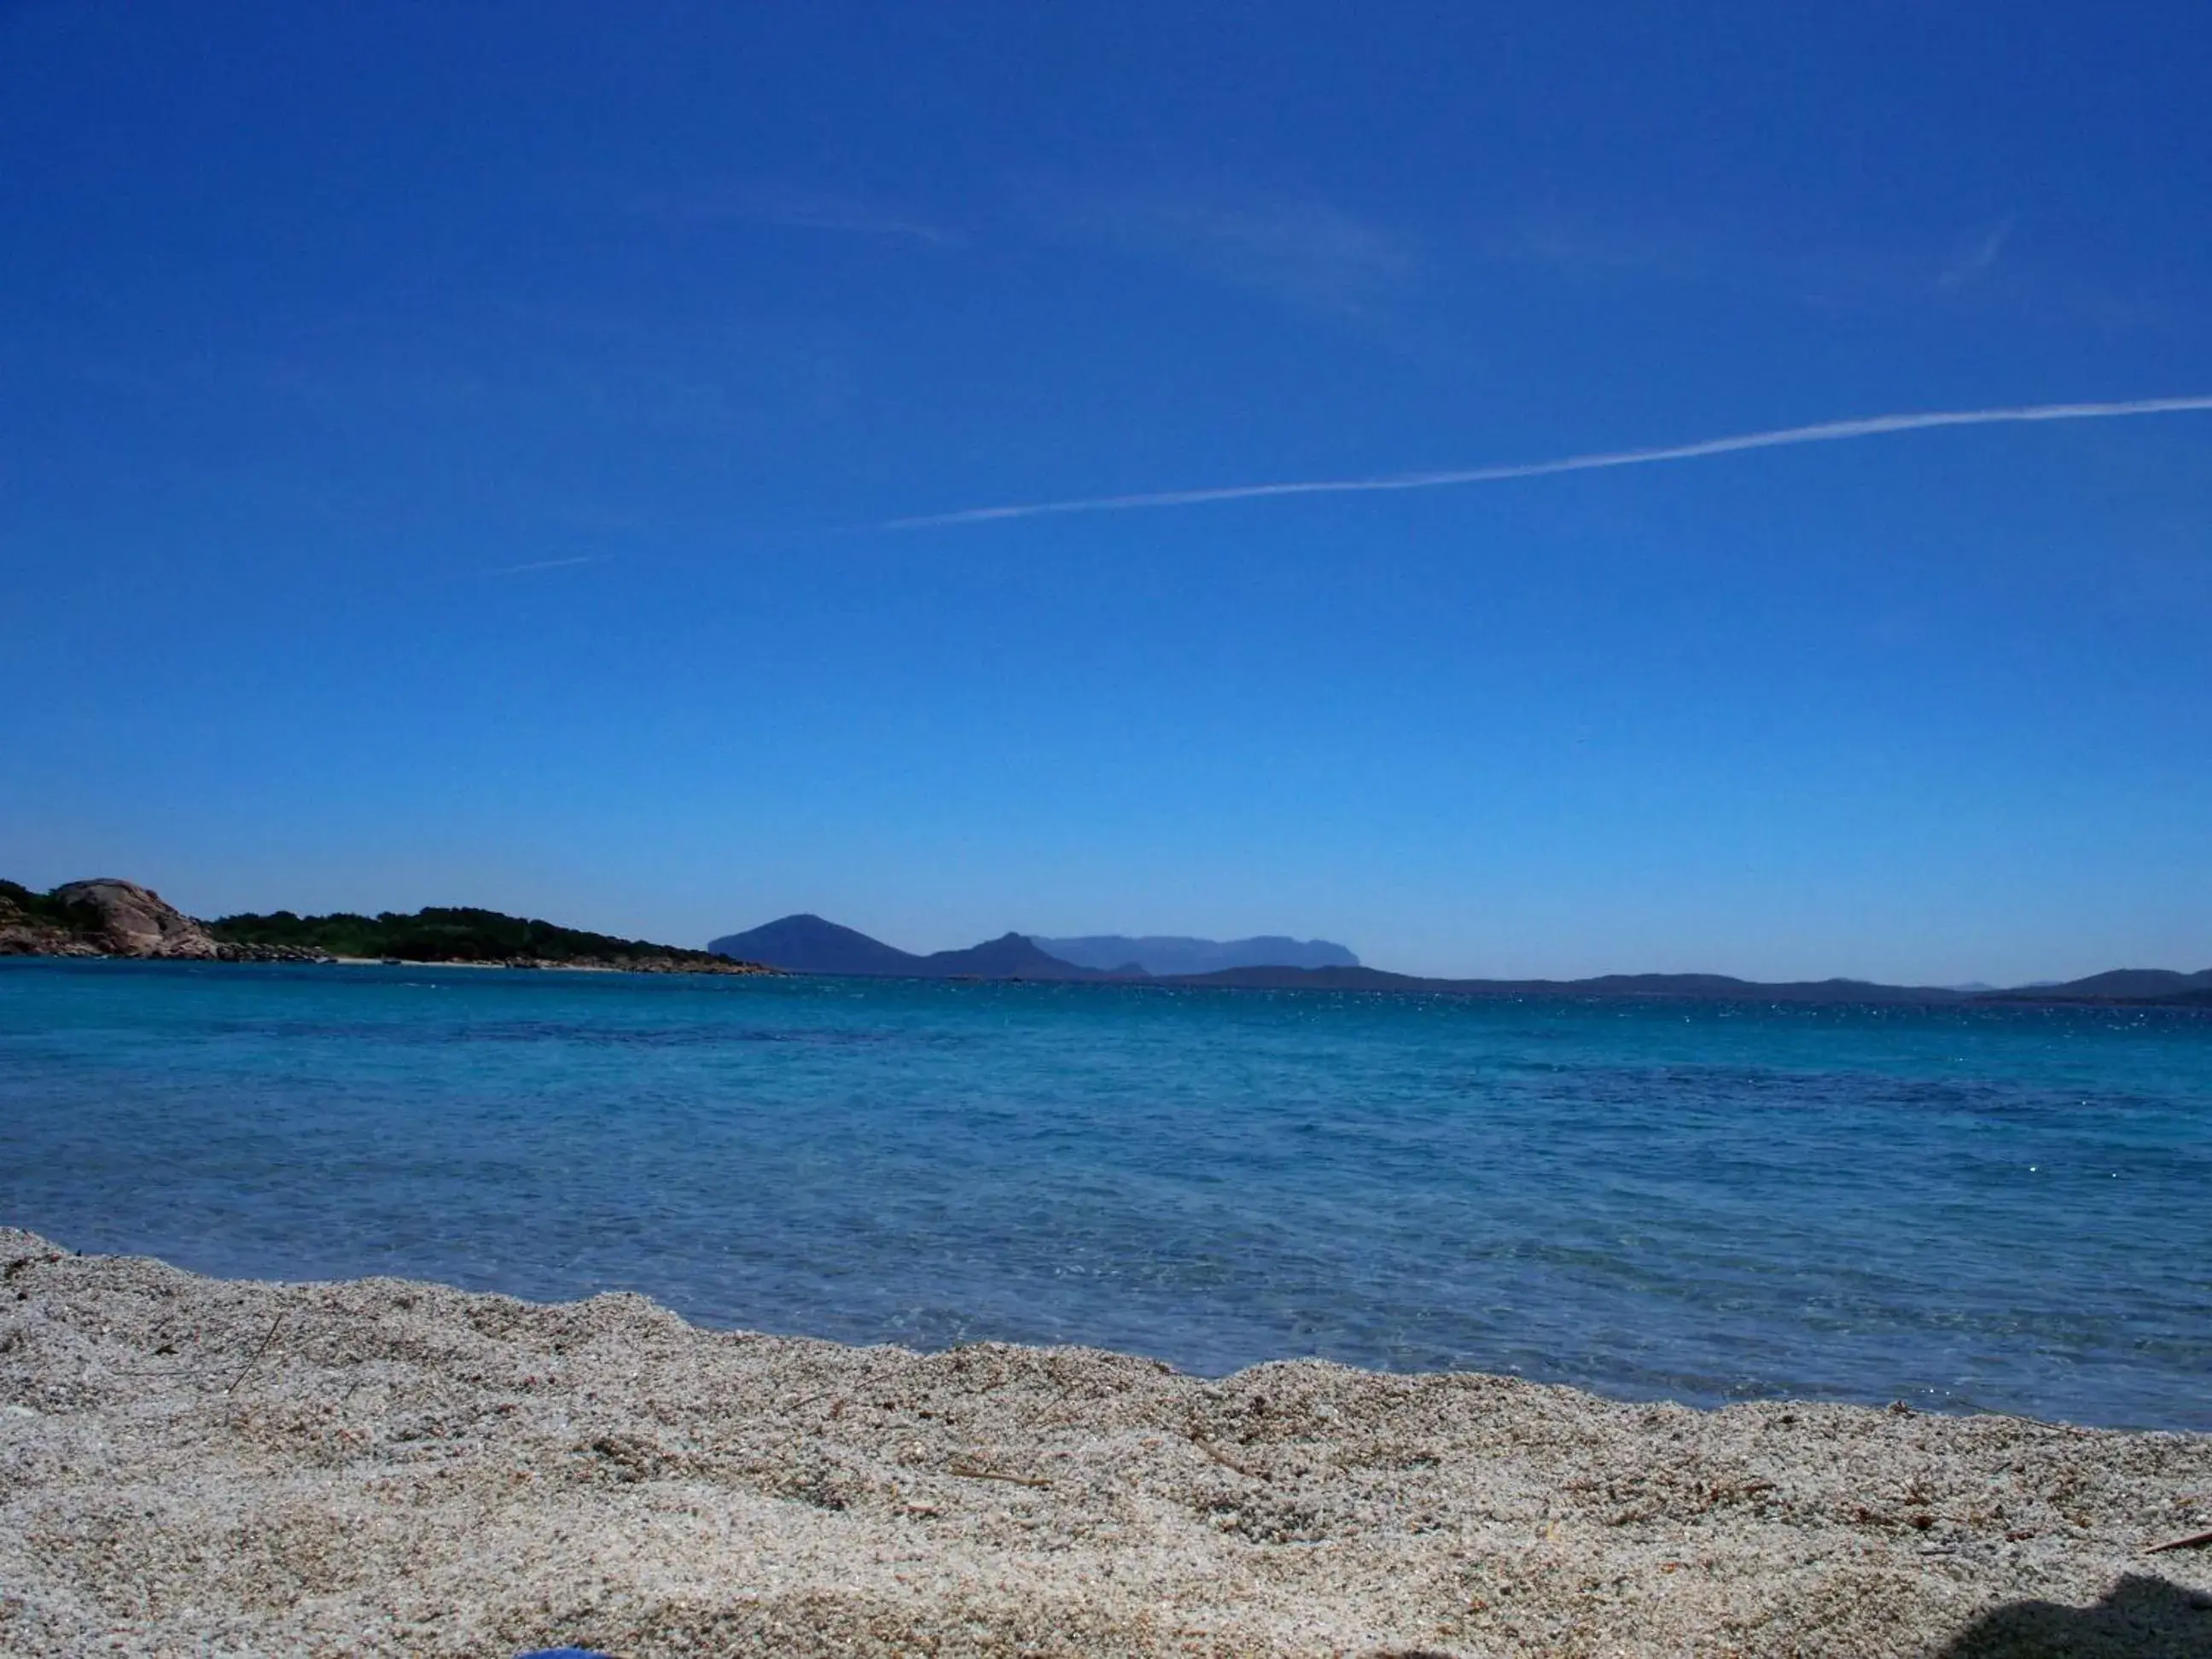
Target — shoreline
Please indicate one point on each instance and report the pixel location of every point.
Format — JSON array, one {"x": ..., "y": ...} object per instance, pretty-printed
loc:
[
  {"x": 2194, "y": 1004},
  {"x": 549, "y": 965},
  {"x": 384, "y": 1467},
  {"x": 543, "y": 965}
]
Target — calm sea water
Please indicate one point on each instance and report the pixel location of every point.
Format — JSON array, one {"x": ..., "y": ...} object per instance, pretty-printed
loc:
[{"x": 1994, "y": 1209}]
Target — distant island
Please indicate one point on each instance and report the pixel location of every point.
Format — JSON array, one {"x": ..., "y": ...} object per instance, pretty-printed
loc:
[
  {"x": 111, "y": 918},
  {"x": 807, "y": 943}
]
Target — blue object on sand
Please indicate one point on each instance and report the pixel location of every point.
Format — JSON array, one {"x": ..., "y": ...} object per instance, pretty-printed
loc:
[{"x": 562, "y": 1653}]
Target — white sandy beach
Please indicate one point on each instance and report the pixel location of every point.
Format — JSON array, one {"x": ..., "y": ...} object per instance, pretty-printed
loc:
[{"x": 193, "y": 1465}]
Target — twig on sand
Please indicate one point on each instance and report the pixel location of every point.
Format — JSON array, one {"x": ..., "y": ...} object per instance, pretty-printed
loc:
[
  {"x": 1223, "y": 1458},
  {"x": 2196, "y": 1541},
  {"x": 275, "y": 1327},
  {"x": 967, "y": 1471}
]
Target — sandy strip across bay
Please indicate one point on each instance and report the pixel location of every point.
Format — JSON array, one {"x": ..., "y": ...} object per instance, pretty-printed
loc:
[{"x": 207, "y": 1467}]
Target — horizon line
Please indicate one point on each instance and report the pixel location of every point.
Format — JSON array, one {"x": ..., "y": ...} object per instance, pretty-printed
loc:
[{"x": 1866, "y": 426}]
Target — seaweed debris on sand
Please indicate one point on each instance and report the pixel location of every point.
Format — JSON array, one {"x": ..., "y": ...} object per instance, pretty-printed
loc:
[{"x": 387, "y": 1468}]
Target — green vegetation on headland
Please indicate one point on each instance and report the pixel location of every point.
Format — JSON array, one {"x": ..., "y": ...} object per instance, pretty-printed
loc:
[
  {"x": 448, "y": 933},
  {"x": 19, "y": 904},
  {"x": 108, "y": 918}
]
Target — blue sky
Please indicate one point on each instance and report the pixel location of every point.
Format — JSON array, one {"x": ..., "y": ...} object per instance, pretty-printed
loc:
[{"x": 445, "y": 448}]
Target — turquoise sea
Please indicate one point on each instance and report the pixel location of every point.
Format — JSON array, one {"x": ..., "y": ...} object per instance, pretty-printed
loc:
[{"x": 2005, "y": 1209}]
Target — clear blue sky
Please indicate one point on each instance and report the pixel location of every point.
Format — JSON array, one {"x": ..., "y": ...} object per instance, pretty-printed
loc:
[{"x": 441, "y": 447}]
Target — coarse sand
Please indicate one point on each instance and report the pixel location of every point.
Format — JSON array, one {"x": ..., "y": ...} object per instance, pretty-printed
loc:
[{"x": 192, "y": 1466}]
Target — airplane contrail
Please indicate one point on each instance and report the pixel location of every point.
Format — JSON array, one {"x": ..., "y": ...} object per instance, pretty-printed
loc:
[{"x": 1826, "y": 432}]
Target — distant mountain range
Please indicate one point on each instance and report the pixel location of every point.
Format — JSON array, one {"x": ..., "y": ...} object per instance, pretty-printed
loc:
[
  {"x": 1705, "y": 987},
  {"x": 1168, "y": 953},
  {"x": 809, "y": 944},
  {"x": 2122, "y": 986}
]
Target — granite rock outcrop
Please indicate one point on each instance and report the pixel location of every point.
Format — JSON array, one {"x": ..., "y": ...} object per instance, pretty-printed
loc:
[{"x": 122, "y": 918}]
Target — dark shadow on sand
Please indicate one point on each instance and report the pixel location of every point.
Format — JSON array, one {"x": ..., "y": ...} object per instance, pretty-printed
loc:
[{"x": 2139, "y": 1618}]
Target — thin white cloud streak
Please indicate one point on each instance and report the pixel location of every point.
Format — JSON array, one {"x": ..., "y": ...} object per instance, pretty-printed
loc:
[
  {"x": 1976, "y": 256},
  {"x": 1305, "y": 253},
  {"x": 804, "y": 210},
  {"x": 547, "y": 564},
  {"x": 1826, "y": 432}
]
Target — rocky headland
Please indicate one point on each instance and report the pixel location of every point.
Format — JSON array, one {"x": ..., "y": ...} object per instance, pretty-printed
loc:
[
  {"x": 99, "y": 918},
  {"x": 106, "y": 917}
]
